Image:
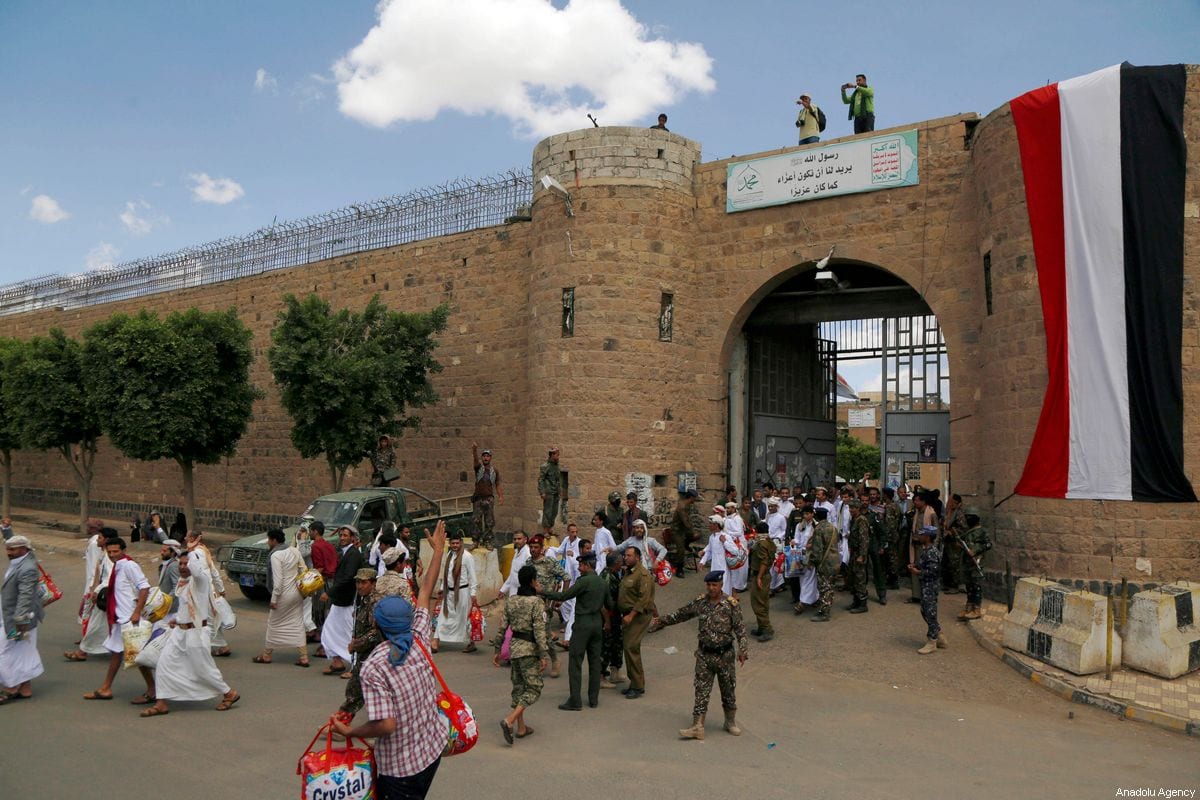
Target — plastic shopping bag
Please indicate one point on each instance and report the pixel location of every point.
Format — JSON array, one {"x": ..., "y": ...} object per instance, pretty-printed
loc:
[
  {"x": 663, "y": 572},
  {"x": 46, "y": 589},
  {"x": 476, "y": 620},
  {"x": 148, "y": 656},
  {"x": 461, "y": 731},
  {"x": 224, "y": 613},
  {"x": 345, "y": 773},
  {"x": 134, "y": 638}
]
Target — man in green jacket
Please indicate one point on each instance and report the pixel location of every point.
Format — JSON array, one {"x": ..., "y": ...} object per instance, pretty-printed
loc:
[
  {"x": 591, "y": 597},
  {"x": 862, "y": 104}
]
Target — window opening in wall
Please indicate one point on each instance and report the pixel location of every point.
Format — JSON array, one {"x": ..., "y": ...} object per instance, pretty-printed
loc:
[
  {"x": 987, "y": 280},
  {"x": 666, "y": 317},
  {"x": 568, "y": 311}
]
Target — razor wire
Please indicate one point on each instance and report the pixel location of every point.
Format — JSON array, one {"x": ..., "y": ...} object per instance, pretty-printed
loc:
[{"x": 456, "y": 206}]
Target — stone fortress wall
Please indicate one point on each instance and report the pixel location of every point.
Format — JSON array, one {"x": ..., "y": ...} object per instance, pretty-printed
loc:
[{"x": 649, "y": 219}]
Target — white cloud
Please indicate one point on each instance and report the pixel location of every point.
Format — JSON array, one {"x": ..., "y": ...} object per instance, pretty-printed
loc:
[
  {"x": 265, "y": 82},
  {"x": 46, "y": 209},
  {"x": 139, "y": 217},
  {"x": 102, "y": 256},
  {"x": 215, "y": 190},
  {"x": 310, "y": 90},
  {"x": 542, "y": 67}
]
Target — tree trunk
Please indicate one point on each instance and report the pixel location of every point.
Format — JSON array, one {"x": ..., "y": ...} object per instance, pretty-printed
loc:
[
  {"x": 81, "y": 464},
  {"x": 336, "y": 476},
  {"x": 189, "y": 493},
  {"x": 6, "y": 502}
]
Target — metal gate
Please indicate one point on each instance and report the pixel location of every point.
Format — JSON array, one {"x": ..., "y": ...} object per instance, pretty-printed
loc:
[{"x": 792, "y": 381}]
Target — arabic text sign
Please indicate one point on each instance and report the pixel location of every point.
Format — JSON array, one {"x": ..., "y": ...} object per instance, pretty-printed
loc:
[{"x": 861, "y": 165}]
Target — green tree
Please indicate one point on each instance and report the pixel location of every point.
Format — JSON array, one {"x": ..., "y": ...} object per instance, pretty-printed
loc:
[
  {"x": 176, "y": 388},
  {"x": 9, "y": 439},
  {"x": 855, "y": 458},
  {"x": 346, "y": 378},
  {"x": 54, "y": 406}
]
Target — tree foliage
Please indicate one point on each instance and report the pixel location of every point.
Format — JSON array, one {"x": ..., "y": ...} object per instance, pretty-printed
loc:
[
  {"x": 346, "y": 378},
  {"x": 9, "y": 440},
  {"x": 54, "y": 404},
  {"x": 175, "y": 388},
  {"x": 855, "y": 458}
]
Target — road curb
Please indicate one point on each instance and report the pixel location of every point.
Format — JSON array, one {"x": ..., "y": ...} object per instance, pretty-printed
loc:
[{"x": 1066, "y": 691}]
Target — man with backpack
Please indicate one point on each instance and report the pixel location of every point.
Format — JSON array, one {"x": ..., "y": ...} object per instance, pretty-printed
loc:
[{"x": 811, "y": 120}]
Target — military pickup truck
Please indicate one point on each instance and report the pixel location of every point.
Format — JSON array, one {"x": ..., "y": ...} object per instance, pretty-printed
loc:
[{"x": 245, "y": 560}]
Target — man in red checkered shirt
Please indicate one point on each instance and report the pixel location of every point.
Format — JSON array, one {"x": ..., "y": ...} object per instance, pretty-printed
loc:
[{"x": 401, "y": 693}]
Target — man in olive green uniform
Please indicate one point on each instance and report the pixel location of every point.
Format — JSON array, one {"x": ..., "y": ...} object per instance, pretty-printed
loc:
[
  {"x": 825, "y": 559},
  {"x": 762, "y": 556},
  {"x": 892, "y": 520},
  {"x": 720, "y": 625},
  {"x": 550, "y": 575},
  {"x": 635, "y": 600},
  {"x": 681, "y": 531},
  {"x": 860, "y": 542},
  {"x": 590, "y": 593},
  {"x": 974, "y": 542},
  {"x": 612, "y": 513},
  {"x": 954, "y": 527},
  {"x": 550, "y": 490}
]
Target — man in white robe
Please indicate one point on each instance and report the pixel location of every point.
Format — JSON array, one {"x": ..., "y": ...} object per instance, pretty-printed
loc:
[
  {"x": 186, "y": 670},
  {"x": 567, "y": 555},
  {"x": 285, "y": 619},
  {"x": 736, "y": 529},
  {"x": 714, "y": 553},
  {"x": 602, "y": 542},
  {"x": 809, "y": 594},
  {"x": 777, "y": 530},
  {"x": 520, "y": 558},
  {"x": 94, "y": 626},
  {"x": 458, "y": 586},
  {"x": 127, "y": 589},
  {"x": 21, "y": 610},
  {"x": 197, "y": 550}
]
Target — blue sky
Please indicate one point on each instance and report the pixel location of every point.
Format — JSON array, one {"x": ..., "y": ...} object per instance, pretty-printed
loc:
[{"x": 140, "y": 127}]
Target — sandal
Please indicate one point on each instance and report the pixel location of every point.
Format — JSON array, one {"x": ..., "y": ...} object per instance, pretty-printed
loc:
[
  {"x": 334, "y": 671},
  {"x": 8, "y": 697},
  {"x": 155, "y": 711},
  {"x": 347, "y": 675},
  {"x": 528, "y": 732},
  {"x": 143, "y": 699},
  {"x": 507, "y": 729},
  {"x": 97, "y": 695},
  {"x": 227, "y": 704},
  {"x": 75, "y": 655},
  {"x": 224, "y": 652},
  {"x": 303, "y": 663},
  {"x": 261, "y": 659}
]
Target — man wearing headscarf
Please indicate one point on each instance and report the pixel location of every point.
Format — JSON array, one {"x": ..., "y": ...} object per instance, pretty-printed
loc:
[
  {"x": 168, "y": 570},
  {"x": 22, "y": 611},
  {"x": 649, "y": 549},
  {"x": 95, "y": 574},
  {"x": 394, "y": 581},
  {"x": 458, "y": 586},
  {"x": 186, "y": 670},
  {"x": 401, "y": 694}
]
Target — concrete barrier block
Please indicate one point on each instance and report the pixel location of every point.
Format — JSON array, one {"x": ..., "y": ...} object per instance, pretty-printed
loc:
[
  {"x": 487, "y": 569},
  {"x": 1161, "y": 633},
  {"x": 1059, "y": 626}
]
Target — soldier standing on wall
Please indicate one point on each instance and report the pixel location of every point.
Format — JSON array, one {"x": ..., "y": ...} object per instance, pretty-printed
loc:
[
  {"x": 483, "y": 500},
  {"x": 550, "y": 489},
  {"x": 383, "y": 463}
]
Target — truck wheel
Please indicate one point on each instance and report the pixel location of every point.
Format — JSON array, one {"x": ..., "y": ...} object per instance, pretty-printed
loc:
[{"x": 255, "y": 592}]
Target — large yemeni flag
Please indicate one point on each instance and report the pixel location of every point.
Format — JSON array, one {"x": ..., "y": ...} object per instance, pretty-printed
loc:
[{"x": 1104, "y": 161}]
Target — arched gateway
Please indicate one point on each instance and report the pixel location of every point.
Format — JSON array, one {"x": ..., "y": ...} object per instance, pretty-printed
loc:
[{"x": 609, "y": 317}]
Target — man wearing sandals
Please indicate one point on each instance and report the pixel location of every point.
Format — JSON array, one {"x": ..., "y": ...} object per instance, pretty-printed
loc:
[
  {"x": 22, "y": 608},
  {"x": 285, "y": 619},
  {"x": 126, "y": 595},
  {"x": 401, "y": 693},
  {"x": 186, "y": 670}
]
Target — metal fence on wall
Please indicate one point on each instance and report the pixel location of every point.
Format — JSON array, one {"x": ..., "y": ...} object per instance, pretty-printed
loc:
[{"x": 454, "y": 207}]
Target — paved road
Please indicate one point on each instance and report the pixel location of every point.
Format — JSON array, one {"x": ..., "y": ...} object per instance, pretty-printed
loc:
[{"x": 829, "y": 711}]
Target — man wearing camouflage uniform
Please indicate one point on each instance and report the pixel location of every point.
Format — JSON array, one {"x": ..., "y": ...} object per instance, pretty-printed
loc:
[
  {"x": 612, "y": 513},
  {"x": 550, "y": 490},
  {"x": 720, "y": 626},
  {"x": 681, "y": 531},
  {"x": 954, "y": 527},
  {"x": 927, "y": 566},
  {"x": 893, "y": 522},
  {"x": 550, "y": 576},
  {"x": 879, "y": 556},
  {"x": 611, "y": 650},
  {"x": 825, "y": 559},
  {"x": 974, "y": 542},
  {"x": 762, "y": 556},
  {"x": 860, "y": 542}
]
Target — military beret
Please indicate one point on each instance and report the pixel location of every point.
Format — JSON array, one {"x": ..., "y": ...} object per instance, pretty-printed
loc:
[
  {"x": 821, "y": 512},
  {"x": 855, "y": 504},
  {"x": 762, "y": 527},
  {"x": 716, "y": 576},
  {"x": 537, "y": 538},
  {"x": 366, "y": 574}
]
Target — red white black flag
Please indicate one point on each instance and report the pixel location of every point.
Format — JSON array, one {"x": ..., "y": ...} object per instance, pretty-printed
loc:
[{"x": 1104, "y": 161}]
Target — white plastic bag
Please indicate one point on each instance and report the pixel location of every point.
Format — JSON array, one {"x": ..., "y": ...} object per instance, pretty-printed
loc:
[
  {"x": 148, "y": 657},
  {"x": 134, "y": 638},
  {"x": 225, "y": 613}
]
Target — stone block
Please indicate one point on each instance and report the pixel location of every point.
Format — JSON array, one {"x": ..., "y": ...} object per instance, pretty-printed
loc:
[
  {"x": 1060, "y": 627},
  {"x": 1161, "y": 634}
]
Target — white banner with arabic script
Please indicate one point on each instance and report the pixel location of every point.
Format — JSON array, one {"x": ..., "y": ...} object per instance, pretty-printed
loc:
[{"x": 860, "y": 165}]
